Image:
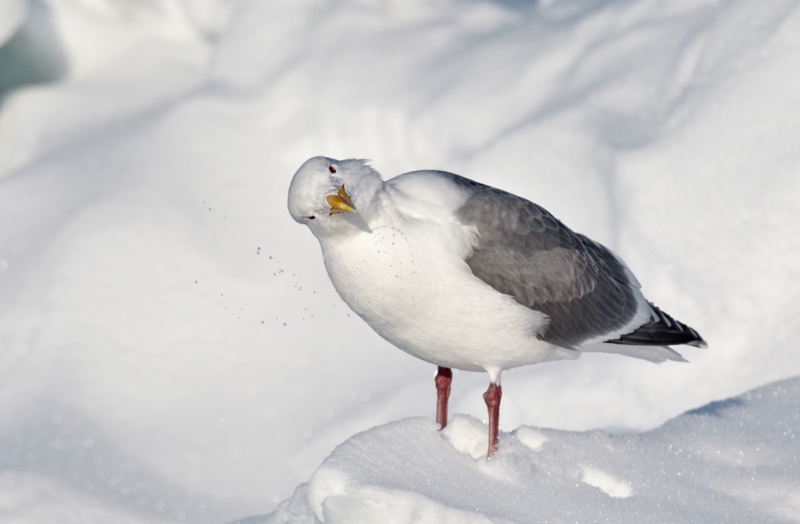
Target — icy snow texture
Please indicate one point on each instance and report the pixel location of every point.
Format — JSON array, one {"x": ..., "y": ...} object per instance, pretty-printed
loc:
[
  {"x": 730, "y": 461},
  {"x": 161, "y": 154}
]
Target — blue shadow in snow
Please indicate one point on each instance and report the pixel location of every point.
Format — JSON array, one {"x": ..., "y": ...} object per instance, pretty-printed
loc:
[{"x": 715, "y": 409}]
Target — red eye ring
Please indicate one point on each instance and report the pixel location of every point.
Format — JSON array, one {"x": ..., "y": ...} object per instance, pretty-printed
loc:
[{"x": 331, "y": 169}]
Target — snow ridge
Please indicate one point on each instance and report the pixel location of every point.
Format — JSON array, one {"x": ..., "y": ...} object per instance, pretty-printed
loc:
[{"x": 732, "y": 461}]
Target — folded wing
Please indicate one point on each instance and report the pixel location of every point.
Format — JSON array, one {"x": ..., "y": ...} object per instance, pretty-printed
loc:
[{"x": 586, "y": 291}]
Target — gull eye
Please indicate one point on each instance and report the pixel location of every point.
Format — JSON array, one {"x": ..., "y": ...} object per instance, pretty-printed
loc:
[
  {"x": 311, "y": 217},
  {"x": 331, "y": 169}
]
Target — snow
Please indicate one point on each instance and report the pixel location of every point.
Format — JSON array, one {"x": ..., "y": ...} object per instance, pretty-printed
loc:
[
  {"x": 145, "y": 166},
  {"x": 730, "y": 461},
  {"x": 12, "y": 16}
]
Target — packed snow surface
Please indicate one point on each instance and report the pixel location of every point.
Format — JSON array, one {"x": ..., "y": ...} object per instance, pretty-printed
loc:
[
  {"x": 171, "y": 348},
  {"x": 736, "y": 460}
]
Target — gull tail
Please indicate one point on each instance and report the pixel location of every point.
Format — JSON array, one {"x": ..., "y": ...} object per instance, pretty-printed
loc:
[{"x": 661, "y": 330}]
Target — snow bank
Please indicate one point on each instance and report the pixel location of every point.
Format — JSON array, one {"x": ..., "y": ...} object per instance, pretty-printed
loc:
[
  {"x": 103, "y": 63},
  {"x": 730, "y": 461},
  {"x": 170, "y": 346},
  {"x": 12, "y": 16}
]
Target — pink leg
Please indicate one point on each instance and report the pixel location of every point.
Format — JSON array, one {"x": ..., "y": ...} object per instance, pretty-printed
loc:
[
  {"x": 443, "y": 379},
  {"x": 492, "y": 399}
]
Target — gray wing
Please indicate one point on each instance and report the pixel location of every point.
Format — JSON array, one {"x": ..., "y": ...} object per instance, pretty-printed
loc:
[{"x": 525, "y": 252}]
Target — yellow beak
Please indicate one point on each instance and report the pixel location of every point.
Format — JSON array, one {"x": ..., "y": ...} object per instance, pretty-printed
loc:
[{"x": 341, "y": 202}]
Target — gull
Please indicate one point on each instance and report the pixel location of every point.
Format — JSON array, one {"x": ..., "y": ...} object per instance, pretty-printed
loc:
[{"x": 466, "y": 276}]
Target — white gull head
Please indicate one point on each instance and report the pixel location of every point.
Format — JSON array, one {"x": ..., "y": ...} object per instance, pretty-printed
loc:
[{"x": 332, "y": 197}]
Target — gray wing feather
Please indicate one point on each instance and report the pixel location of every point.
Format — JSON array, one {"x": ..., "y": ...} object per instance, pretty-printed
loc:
[{"x": 525, "y": 252}]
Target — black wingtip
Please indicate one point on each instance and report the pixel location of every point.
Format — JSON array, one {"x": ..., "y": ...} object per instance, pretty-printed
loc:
[
  {"x": 662, "y": 330},
  {"x": 700, "y": 343}
]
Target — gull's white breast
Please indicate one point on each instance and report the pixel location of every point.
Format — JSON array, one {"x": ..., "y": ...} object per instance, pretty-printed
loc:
[{"x": 408, "y": 280}]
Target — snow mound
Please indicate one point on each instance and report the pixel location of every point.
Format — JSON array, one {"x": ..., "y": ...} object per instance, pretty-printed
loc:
[
  {"x": 12, "y": 15},
  {"x": 734, "y": 461}
]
